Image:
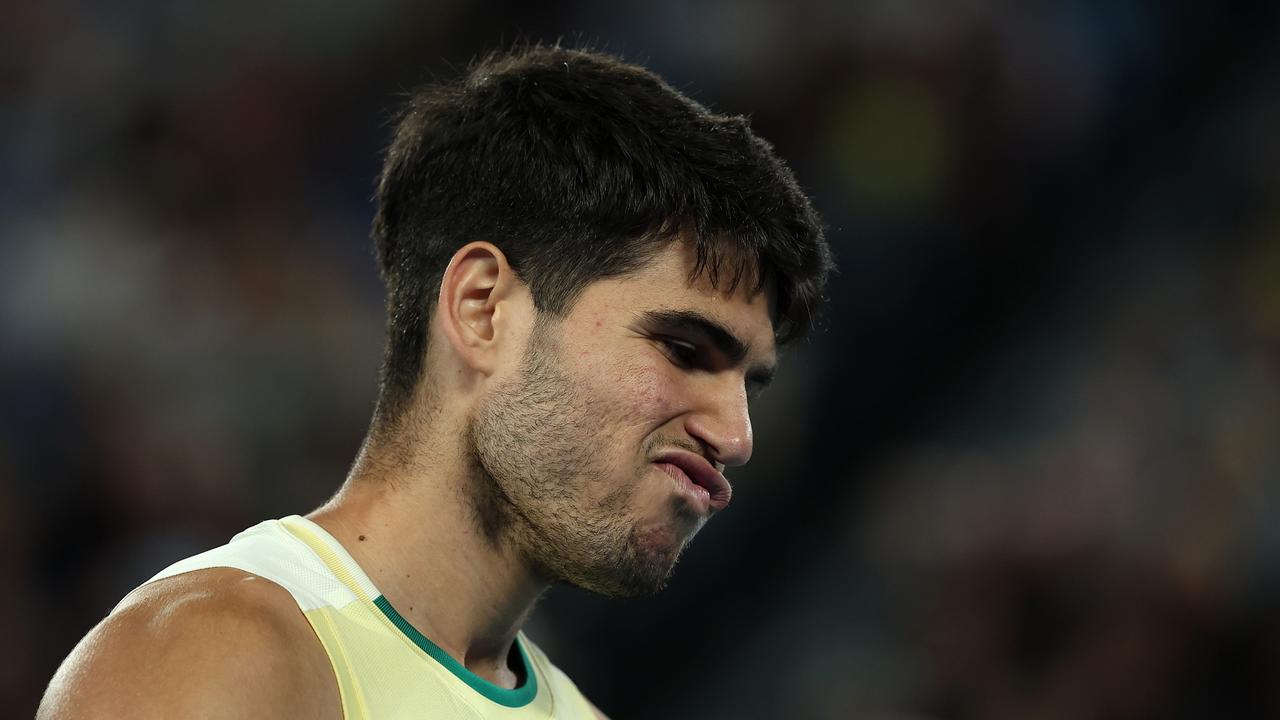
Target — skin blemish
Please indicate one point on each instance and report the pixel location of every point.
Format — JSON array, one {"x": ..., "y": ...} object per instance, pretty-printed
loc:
[{"x": 361, "y": 538}]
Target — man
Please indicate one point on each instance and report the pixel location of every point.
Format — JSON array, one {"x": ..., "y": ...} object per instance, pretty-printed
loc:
[{"x": 587, "y": 275}]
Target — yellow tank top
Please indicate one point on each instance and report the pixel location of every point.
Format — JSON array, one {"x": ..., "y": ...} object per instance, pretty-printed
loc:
[{"x": 385, "y": 668}]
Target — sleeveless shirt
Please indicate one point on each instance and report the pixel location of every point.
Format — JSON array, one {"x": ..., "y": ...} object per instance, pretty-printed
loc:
[{"x": 385, "y": 668}]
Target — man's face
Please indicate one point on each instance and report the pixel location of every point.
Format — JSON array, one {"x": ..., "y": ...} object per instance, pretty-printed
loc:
[{"x": 602, "y": 456}]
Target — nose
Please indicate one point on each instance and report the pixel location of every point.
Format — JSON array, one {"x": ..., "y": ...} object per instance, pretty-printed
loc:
[{"x": 724, "y": 428}]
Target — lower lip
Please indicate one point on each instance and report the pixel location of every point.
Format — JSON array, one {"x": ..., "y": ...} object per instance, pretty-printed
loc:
[{"x": 697, "y": 495}]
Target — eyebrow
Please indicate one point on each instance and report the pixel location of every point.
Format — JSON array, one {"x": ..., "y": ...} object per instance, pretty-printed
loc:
[{"x": 715, "y": 332}]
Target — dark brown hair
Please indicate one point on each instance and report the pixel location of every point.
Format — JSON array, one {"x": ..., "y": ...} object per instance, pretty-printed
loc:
[{"x": 579, "y": 167}]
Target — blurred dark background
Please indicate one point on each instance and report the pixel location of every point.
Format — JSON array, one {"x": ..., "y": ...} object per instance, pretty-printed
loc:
[{"x": 1029, "y": 468}]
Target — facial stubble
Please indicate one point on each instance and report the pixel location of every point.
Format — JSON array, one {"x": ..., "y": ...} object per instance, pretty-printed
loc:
[{"x": 537, "y": 444}]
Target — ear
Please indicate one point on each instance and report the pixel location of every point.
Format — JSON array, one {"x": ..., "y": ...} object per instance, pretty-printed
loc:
[{"x": 482, "y": 305}]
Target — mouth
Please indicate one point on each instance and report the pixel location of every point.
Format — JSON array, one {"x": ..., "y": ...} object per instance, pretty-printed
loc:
[{"x": 700, "y": 476}]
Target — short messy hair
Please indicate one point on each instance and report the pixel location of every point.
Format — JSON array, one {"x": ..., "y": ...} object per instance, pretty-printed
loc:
[{"x": 579, "y": 167}]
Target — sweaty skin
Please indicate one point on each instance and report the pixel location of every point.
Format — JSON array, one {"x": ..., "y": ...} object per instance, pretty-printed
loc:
[{"x": 528, "y": 453}]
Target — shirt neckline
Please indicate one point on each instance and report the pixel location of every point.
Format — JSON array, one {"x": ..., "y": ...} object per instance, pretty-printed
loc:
[{"x": 349, "y": 573}]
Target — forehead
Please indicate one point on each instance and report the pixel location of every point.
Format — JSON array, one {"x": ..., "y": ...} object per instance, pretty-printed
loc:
[{"x": 667, "y": 282}]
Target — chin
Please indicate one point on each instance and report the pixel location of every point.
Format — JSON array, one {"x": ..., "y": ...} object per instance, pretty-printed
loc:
[
  {"x": 630, "y": 584},
  {"x": 643, "y": 567},
  {"x": 655, "y": 554}
]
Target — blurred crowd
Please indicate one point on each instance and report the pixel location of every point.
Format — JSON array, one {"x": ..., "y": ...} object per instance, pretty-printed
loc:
[{"x": 1028, "y": 468}]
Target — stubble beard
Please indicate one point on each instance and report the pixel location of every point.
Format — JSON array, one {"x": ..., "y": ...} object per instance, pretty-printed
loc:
[{"x": 535, "y": 446}]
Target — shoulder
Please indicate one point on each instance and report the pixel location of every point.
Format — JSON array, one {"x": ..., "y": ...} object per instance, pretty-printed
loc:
[{"x": 211, "y": 643}]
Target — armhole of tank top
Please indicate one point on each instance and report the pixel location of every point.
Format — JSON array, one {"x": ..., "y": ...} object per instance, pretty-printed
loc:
[{"x": 227, "y": 557}]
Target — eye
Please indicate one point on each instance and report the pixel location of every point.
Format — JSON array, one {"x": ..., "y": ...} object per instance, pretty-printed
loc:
[{"x": 682, "y": 353}]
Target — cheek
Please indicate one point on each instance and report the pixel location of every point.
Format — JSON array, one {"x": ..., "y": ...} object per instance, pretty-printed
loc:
[
  {"x": 640, "y": 391},
  {"x": 650, "y": 389}
]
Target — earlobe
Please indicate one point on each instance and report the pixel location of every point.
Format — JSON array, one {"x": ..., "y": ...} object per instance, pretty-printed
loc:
[{"x": 470, "y": 307}]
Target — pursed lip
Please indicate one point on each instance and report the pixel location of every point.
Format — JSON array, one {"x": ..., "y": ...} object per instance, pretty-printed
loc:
[{"x": 701, "y": 473}]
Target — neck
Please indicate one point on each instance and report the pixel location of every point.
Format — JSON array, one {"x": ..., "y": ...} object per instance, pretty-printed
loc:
[{"x": 409, "y": 527}]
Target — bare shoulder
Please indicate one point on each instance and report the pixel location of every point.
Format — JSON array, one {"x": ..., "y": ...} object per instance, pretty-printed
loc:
[{"x": 211, "y": 643}]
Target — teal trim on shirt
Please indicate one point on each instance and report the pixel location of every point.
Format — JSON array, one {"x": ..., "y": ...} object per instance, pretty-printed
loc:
[{"x": 516, "y": 697}]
